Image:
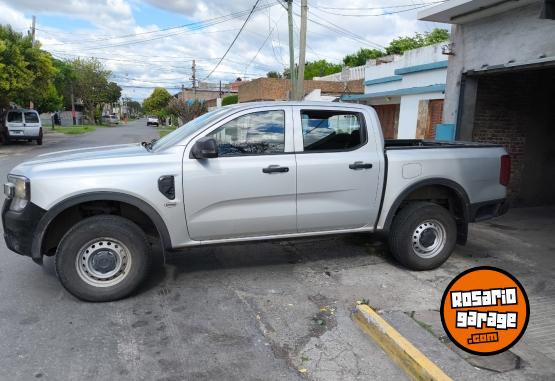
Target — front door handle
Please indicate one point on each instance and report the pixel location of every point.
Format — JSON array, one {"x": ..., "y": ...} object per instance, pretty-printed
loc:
[
  {"x": 360, "y": 165},
  {"x": 275, "y": 169}
]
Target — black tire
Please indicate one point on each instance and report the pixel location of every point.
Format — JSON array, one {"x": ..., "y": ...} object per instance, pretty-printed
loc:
[
  {"x": 106, "y": 231},
  {"x": 39, "y": 140},
  {"x": 415, "y": 232}
]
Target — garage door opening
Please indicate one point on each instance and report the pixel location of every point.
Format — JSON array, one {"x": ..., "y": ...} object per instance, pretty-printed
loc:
[{"x": 517, "y": 109}]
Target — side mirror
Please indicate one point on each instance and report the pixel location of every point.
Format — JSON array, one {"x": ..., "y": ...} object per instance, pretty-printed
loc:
[{"x": 205, "y": 148}]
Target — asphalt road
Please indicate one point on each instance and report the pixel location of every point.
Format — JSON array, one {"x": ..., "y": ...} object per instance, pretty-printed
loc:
[
  {"x": 260, "y": 311},
  {"x": 187, "y": 322}
]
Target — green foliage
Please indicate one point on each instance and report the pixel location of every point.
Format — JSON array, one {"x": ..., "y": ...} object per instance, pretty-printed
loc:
[
  {"x": 49, "y": 100},
  {"x": 157, "y": 102},
  {"x": 186, "y": 110},
  {"x": 134, "y": 107},
  {"x": 320, "y": 68},
  {"x": 26, "y": 71},
  {"x": 274, "y": 74},
  {"x": 402, "y": 44},
  {"x": 230, "y": 99},
  {"x": 361, "y": 56}
]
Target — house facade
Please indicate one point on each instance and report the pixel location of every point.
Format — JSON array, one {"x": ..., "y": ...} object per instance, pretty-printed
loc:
[
  {"x": 501, "y": 85},
  {"x": 407, "y": 92}
]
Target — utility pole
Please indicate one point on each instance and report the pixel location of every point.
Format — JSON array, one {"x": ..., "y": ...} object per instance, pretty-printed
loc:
[
  {"x": 73, "y": 117},
  {"x": 302, "y": 51},
  {"x": 194, "y": 79},
  {"x": 292, "y": 73},
  {"x": 31, "y": 105},
  {"x": 33, "y": 29}
]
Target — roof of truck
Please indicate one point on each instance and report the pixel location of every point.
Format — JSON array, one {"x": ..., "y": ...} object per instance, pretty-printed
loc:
[{"x": 247, "y": 105}]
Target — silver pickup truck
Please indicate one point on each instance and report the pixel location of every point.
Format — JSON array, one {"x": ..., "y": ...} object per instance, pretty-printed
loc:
[{"x": 247, "y": 172}]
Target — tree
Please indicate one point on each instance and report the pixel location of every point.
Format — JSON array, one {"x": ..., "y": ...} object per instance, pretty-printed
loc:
[
  {"x": 134, "y": 107},
  {"x": 112, "y": 93},
  {"x": 402, "y": 44},
  {"x": 91, "y": 85},
  {"x": 361, "y": 56},
  {"x": 186, "y": 110},
  {"x": 320, "y": 68},
  {"x": 230, "y": 99},
  {"x": 26, "y": 71},
  {"x": 157, "y": 102},
  {"x": 64, "y": 79},
  {"x": 274, "y": 74}
]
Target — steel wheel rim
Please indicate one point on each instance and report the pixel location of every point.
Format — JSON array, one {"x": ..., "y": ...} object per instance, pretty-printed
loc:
[
  {"x": 103, "y": 262},
  {"x": 428, "y": 239}
]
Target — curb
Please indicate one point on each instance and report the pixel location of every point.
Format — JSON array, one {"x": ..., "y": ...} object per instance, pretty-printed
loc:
[{"x": 415, "y": 364}]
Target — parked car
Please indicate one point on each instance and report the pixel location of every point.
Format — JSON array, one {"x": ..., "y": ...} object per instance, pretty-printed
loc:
[
  {"x": 248, "y": 172},
  {"x": 21, "y": 124},
  {"x": 110, "y": 119},
  {"x": 152, "y": 121}
]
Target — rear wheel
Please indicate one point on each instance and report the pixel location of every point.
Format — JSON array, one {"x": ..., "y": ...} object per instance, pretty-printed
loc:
[
  {"x": 423, "y": 235},
  {"x": 103, "y": 258},
  {"x": 39, "y": 140}
]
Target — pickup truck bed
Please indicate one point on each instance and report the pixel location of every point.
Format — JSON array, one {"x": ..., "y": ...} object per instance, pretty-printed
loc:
[{"x": 390, "y": 144}]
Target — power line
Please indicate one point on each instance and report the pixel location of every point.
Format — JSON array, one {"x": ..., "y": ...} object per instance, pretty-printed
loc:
[
  {"x": 379, "y": 14},
  {"x": 382, "y": 7},
  {"x": 192, "y": 26},
  {"x": 235, "y": 39}
]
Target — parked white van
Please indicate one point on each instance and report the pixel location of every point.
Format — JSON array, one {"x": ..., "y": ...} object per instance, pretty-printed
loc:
[{"x": 21, "y": 124}]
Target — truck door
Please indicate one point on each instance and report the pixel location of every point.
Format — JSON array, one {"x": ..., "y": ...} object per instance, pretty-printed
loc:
[
  {"x": 250, "y": 189},
  {"x": 32, "y": 123},
  {"x": 338, "y": 169},
  {"x": 15, "y": 123}
]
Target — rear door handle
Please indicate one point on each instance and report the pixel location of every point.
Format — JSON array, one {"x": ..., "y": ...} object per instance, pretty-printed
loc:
[
  {"x": 360, "y": 165},
  {"x": 275, "y": 169}
]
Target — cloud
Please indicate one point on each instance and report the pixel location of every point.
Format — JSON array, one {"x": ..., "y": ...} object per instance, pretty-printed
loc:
[{"x": 145, "y": 55}]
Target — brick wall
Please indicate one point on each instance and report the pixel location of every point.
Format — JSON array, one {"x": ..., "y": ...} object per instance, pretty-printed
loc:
[
  {"x": 516, "y": 110},
  {"x": 274, "y": 89},
  {"x": 497, "y": 119}
]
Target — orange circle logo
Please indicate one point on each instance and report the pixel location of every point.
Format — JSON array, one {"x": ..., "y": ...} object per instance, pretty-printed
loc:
[{"x": 485, "y": 310}]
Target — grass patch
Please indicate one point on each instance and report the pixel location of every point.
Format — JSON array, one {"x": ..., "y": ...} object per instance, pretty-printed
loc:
[
  {"x": 75, "y": 130},
  {"x": 163, "y": 132}
]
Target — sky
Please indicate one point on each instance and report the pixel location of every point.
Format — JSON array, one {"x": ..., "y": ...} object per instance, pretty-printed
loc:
[{"x": 149, "y": 43}]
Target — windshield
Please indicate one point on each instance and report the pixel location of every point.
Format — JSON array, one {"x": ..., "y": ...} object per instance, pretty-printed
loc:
[{"x": 188, "y": 129}]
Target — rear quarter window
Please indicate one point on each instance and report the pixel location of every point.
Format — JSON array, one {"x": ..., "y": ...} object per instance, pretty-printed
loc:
[
  {"x": 31, "y": 117},
  {"x": 15, "y": 117}
]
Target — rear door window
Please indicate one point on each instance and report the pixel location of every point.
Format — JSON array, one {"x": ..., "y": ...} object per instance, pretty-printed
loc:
[
  {"x": 325, "y": 130},
  {"x": 15, "y": 117},
  {"x": 31, "y": 117}
]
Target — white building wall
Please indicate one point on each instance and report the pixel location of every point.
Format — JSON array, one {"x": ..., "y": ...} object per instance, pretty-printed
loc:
[{"x": 408, "y": 114}]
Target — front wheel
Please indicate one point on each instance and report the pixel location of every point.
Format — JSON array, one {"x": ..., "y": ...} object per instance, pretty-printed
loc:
[
  {"x": 423, "y": 235},
  {"x": 103, "y": 258}
]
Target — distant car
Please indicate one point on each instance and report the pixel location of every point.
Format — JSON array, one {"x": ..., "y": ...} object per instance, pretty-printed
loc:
[
  {"x": 111, "y": 119},
  {"x": 21, "y": 124},
  {"x": 152, "y": 121}
]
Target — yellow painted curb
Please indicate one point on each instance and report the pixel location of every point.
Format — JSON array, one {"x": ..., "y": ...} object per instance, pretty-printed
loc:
[{"x": 401, "y": 351}]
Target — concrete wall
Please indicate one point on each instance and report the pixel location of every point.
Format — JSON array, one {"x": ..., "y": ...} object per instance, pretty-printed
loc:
[{"x": 516, "y": 37}]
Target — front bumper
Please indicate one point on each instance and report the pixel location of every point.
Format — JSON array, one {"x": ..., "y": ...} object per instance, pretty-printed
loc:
[{"x": 20, "y": 227}]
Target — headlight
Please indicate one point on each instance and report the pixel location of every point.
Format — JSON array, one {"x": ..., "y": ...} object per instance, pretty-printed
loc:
[{"x": 19, "y": 188}]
